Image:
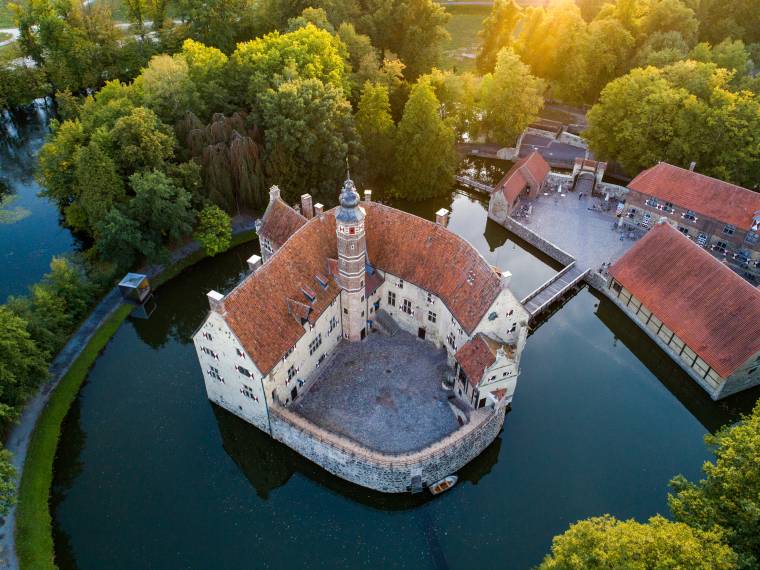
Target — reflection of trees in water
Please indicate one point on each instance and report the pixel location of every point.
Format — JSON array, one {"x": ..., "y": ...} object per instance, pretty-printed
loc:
[
  {"x": 67, "y": 467},
  {"x": 484, "y": 169},
  {"x": 712, "y": 415},
  {"x": 181, "y": 304},
  {"x": 269, "y": 464}
]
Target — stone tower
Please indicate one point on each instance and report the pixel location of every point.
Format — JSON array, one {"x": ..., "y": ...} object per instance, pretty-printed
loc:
[{"x": 352, "y": 256}]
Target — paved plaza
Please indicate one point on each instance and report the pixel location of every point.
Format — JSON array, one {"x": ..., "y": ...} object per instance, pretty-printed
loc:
[
  {"x": 384, "y": 393},
  {"x": 572, "y": 224}
]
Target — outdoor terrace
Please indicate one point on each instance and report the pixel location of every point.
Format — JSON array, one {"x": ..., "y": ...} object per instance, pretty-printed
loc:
[
  {"x": 580, "y": 226},
  {"x": 384, "y": 393}
]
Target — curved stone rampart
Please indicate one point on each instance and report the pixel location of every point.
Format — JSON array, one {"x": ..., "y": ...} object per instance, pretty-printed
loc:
[{"x": 389, "y": 473}]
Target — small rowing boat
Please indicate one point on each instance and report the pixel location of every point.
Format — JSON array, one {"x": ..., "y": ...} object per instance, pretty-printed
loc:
[{"x": 443, "y": 485}]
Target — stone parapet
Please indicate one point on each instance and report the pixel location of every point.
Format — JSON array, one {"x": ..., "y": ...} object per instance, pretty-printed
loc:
[{"x": 386, "y": 472}]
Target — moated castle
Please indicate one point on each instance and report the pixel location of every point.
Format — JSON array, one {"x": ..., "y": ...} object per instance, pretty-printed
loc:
[{"x": 377, "y": 344}]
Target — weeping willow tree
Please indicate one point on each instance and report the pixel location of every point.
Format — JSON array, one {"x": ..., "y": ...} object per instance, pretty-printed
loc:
[{"x": 229, "y": 153}]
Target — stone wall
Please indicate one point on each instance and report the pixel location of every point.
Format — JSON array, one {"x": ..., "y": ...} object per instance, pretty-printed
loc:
[
  {"x": 388, "y": 473},
  {"x": 536, "y": 240}
]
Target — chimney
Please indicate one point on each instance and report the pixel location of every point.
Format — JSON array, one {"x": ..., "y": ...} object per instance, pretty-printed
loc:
[
  {"x": 306, "y": 208},
  {"x": 506, "y": 279},
  {"x": 693, "y": 165},
  {"x": 254, "y": 262},
  {"x": 274, "y": 193},
  {"x": 368, "y": 195},
  {"x": 318, "y": 209},
  {"x": 442, "y": 217},
  {"x": 216, "y": 301}
]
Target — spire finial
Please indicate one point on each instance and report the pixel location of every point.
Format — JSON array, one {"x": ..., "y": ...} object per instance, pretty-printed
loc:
[{"x": 348, "y": 169}]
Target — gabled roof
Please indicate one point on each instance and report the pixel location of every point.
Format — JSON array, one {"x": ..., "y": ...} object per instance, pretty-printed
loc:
[
  {"x": 707, "y": 196},
  {"x": 532, "y": 168},
  {"x": 263, "y": 312},
  {"x": 430, "y": 256},
  {"x": 706, "y": 304},
  {"x": 476, "y": 355},
  {"x": 280, "y": 221}
]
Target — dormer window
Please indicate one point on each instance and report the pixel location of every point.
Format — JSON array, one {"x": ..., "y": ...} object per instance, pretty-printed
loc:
[
  {"x": 322, "y": 280},
  {"x": 309, "y": 293}
]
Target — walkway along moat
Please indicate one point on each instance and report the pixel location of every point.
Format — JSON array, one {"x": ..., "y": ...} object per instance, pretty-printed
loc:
[{"x": 146, "y": 465}]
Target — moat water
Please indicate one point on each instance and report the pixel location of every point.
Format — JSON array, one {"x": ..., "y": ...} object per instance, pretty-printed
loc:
[
  {"x": 30, "y": 234},
  {"x": 150, "y": 475}
]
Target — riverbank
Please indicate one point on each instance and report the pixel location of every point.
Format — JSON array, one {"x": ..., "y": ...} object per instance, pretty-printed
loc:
[{"x": 26, "y": 540}]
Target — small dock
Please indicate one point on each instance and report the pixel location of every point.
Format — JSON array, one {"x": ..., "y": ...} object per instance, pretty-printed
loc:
[
  {"x": 475, "y": 184},
  {"x": 553, "y": 290}
]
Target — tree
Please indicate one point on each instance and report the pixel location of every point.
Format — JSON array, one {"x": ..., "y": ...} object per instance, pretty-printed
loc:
[
  {"x": 505, "y": 117},
  {"x": 229, "y": 152},
  {"x": 607, "y": 50},
  {"x": 661, "y": 49},
  {"x": 424, "y": 155},
  {"x": 679, "y": 114},
  {"x": 308, "y": 133},
  {"x": 605, "y": 542},
  {"x": 97, "y": 187},
  {"x": 497, "y": 32},
  {"x": 159, "y": 213},
  {"x": 264, "y": 64},
  {"x": 457, "y": 94},
  {"x": 718, "y": 20},
  {"x": 7, "y": 481},
  {"x": 376, "y": 130},
  {"x": 140, "y": 141},
  {"x": 728, "y": 54},
  {"x": 214, "y": 230},
  {"x": 217, "y": 23},
  {"x": 669, "y": 16},
  {"x": 23, "y": 364},
  {"x": 413, "y": 29},
  {"x": 167, "y": 89},
  {"x": 208, "y": 70},
  {"x": 729, "y": 495}
]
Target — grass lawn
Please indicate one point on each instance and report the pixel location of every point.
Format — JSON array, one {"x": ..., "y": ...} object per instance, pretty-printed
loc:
[
  {"x": 34, "y": 538},
  {"x": 463, "y": 26},
  {"x": 9, "y": 52},
  {"x": 34, "y": 532},
  {"x": 6, "y": 20}
]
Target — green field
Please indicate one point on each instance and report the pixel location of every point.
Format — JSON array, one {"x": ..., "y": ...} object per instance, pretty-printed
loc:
[
  {"x": 464, "y": 25},
  {"x": 6, "y": 20}
]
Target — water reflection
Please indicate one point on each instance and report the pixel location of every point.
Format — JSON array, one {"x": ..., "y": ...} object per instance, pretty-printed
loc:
[
  {"x": 710, "y": 414},
  {"x": 268, "y": 465},
  {"x": 27, "y": 244}
]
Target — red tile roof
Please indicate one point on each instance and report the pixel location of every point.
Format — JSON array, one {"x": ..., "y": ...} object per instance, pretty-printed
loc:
[
  {"x": 280, "y": 221},
  {"x": 707, "y": 305},
  {"x": 532, "y": 168},
  {"x": 707, "y": 196},
  {"x": 416, "y": 250},
  {"x": 433, "y": 258},
  {"x": 475, "y": 356},
  {"x": 260, "y": 311},
  {"x": 372, "y": 282}
]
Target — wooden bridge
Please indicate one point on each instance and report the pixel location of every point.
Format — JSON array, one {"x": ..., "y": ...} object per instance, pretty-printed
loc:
[
  {"x": 553, "y": 290},
  {"x": 475, "y": 184}
]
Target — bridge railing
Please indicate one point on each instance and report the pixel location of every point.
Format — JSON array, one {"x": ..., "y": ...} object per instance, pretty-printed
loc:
[{"x": 547, "y": 283}]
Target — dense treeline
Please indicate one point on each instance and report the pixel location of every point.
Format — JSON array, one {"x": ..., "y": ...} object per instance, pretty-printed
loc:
[{"x": 672, "y": 80}]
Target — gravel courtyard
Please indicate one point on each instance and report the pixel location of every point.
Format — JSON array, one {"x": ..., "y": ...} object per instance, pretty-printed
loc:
[{"x": 384, "y": 393}]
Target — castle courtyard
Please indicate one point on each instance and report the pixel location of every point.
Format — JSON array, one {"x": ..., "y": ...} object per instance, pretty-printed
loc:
[{"x": 384, "y": 393}]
